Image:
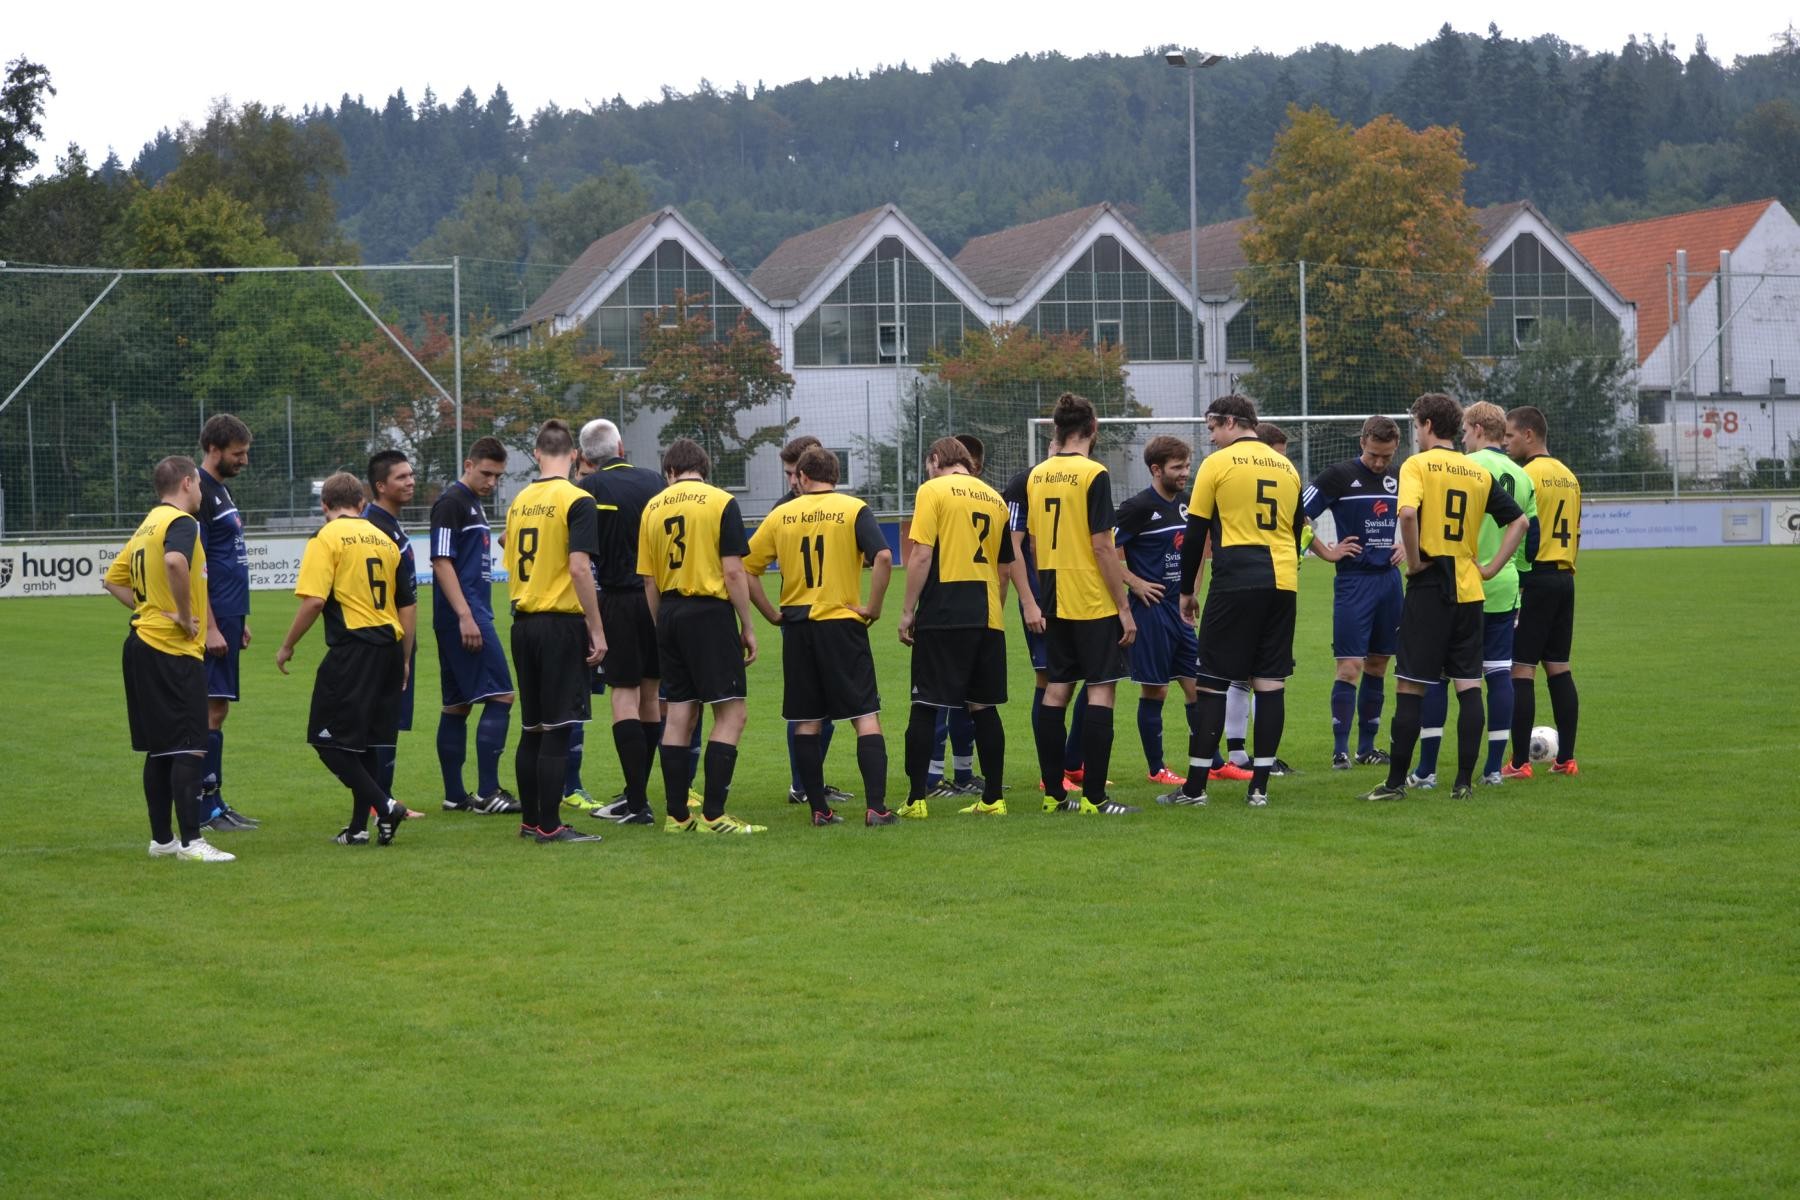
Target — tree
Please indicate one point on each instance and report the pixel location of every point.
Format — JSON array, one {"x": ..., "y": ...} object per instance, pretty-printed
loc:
[
  {"x": 280, "y": 169},
  {"x": 491, "y": 221},
  {"x": 21, "y": 105},
  {"x": 1769, "y": 164},
  {"x": 1584, "y": 385},
  {"x": 69, "y": 218},
  {"x": 1394, "y": 276},
  {"x": 566, "y": 222},
  {"x": 707, "y": 384},
  {"x": 168, "y": 226}
]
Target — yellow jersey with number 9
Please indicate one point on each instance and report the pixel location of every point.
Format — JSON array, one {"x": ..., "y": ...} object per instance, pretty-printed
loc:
[
  {"x": 1559, "y": 510},
  {"x": 143, "y": 567},
  {"x": 1249, "y": 497},
  {"x": 1451, "y": 492},
  {"x": 545, "y": 522},
  {"x": 1069, "y": 499}
]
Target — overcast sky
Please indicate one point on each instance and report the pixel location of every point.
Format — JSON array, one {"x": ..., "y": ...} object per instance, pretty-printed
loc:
[{"x": 125, "y": 70}]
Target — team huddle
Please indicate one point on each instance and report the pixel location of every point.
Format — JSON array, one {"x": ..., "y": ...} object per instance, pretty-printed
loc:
[{"x": 636, "y": 584}]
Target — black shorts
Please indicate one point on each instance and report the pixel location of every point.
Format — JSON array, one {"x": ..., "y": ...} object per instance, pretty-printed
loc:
[
  {"x": 1085, "y": 651},
  {"x": 697, "y": 641},
  {"x": 1439, "y": 639},
  {"x": 827, "y": 671},
  {"x": 356, "y": 696},
  {"x": 550, "y": 662},
  {"x": 1546, "y": 617},
  {"x": 630, "y": 639},
  {"x": 952, "y": 668},
  {"x": 165, "y": 699},
  {"x": 1247, "y": 634}
]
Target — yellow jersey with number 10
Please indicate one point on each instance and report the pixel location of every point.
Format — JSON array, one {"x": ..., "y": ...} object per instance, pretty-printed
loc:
[{"x": 142, "y": 567}]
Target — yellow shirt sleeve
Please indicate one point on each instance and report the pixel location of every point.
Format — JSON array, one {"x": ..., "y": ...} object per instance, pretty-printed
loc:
[
  {"x": 1412, "y": 484},
  {"x": 318, "y": 570},
  {"x": 924, "y": 527},
  {"x": 1201, "y": 503},
  {"x": 762, "y": 547},
  {"x": 119, "y": 572}
]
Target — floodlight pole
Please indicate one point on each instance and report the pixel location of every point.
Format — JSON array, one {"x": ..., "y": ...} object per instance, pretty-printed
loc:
[{"x": 1190, "y": 65}]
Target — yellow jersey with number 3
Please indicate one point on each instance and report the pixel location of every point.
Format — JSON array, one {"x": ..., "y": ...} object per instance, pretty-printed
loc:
[
  {"x": 965, "y": 522},
  {"x": 546, "y": 521},
  {"x": 143, "y": 567},
  {"x": 1249, "y": 498},
  {"x": 353, "y": 565},
  {"x": 1559, "y": 511},
  {"x": 686, "y": 533},
  {"x": 1451, "y": 492},
  {"x": 820, "y": 539},
  {"x": 1069, "y": 499}
]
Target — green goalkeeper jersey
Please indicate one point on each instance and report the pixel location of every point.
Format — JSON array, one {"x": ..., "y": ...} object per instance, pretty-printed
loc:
[{"x": 1502, "y": 591}]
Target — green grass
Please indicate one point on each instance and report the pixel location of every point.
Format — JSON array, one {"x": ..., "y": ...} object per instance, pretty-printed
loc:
[{"x": 1568, "y": 987}]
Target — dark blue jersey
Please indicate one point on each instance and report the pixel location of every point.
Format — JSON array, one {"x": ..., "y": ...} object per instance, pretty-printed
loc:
[
  {"x": 1017, "y": 511},
  {"x": 1150, "y": 530},
  {"x": 1364, "y": 505},
  {"x": 389, "y": 524},
  {"x": 227, "y": 560},
  {"x": 460, "y": 535}
]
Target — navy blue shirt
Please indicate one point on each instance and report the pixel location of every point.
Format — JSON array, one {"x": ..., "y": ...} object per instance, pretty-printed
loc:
[
  {"x": 227, "y": 560},
  {"x": 1018, "y": 511},
  {"x": 1151, "y": 530},
  {"x": 460, "y": 534},
  {"x": 1364, "y": 504},
  {"x": 389, "y": 524}
]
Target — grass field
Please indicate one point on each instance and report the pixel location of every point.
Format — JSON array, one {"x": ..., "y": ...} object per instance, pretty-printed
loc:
[{"x": 1563, "y": 988}]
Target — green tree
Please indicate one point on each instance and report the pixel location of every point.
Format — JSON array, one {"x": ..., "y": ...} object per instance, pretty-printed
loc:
[
  {"x": 706, "y": 384},
  {"x": 69, "y": 218},
  {"x": 1584, "y": 386},
  {"x": 1769, "y": 164},
  {"x": 168, "y": 226},
  {"x": 1394, "y": 277},
  {"x": 490, "y": 221},
  {"x": 280, "y": 169},
  {"x": 21, "y": 109},
  {"x": 565, "y": 222}
]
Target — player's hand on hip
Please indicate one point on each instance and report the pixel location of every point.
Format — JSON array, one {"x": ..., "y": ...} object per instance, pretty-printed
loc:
[
  {"x": 1149, "y": 592},
  {"x": 1398, "y": 556},
  {"x": 1130, "y": 627},
  {"x": 471, "y": 633}
]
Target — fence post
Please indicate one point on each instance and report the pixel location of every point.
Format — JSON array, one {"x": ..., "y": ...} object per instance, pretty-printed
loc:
[
  {"x": 290, "y": 456},
  {"x": 115, "y": 451},
  {"x": 1305, "y": 400},
  {"x": 456, "y": 351},
  {"x": 31, "y": 456},
  {"x": 1681, "y": 345}
]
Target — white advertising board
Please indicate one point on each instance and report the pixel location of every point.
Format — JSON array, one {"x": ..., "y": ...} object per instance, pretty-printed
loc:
[{"x": 75, "y": 568}]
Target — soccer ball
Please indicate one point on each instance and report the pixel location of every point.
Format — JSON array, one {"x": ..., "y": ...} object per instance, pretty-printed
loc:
[{"x": 1543, "y": 743}]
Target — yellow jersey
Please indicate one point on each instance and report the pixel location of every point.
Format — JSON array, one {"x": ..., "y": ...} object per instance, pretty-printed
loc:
[
  {"x": 821, "y": 539},
  {"x": 1450, "y": 492},
  {"x": 1068, "y": 499},
  {"x": 545, "y": 523},
  {"x": 687, "y": 532},
  {"x": 1248, "y": 496},
  {"x": 355, "y": 567},
  {"x": 965, "y": 522},
  {"x": 143, "y": 567},
  {"x": 1559, "y": 511}
]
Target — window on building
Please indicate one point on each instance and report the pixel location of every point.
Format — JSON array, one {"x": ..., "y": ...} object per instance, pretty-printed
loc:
[
  {"x": 1108, "y": 297},
  {"x": 889, "y": 309},
  {"x": 649, "y": 292},
  {"x": 1530, "y": 287}
]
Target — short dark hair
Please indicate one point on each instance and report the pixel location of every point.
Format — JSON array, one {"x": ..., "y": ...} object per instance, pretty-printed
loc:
[
  {"x": 554, "y": 438},
  {"x": 487, "y": 449},
  {"x": 951, "y": 452},
  {"x": 684, "y": 455},
  {"x": 790, "y": 453},
  {"x": 382, "y": 464},
  {"x": 977, "y": 451},
  {"x": 1441, "y": 414},
  {"x": 1271, "y": 433},
  {"x": 342, "y": 490},
  {"x": 1379, "y": 429},
  {"x": 1530, "y": 418},
  {"x": 1234, "y": 408},
  {"x": 223, "y": 431},
  {"x": 1163, "y": 449},
  {"x": 1073, "y": 416},
  {"x": 817, "y": 464},
  {"x": 167, "y": 475}
]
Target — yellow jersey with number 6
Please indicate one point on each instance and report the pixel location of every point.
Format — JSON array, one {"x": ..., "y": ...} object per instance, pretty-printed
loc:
[{"x": 353, "y": 565}]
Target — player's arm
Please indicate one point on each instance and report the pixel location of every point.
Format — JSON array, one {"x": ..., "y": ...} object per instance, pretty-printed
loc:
[
  {"x": 1409, "y": 496},
  {"x": 449, "y": 587},
  {"x": 310, "y": 608},
  {"x": 584, "y": 530},
  {"x": 1113, "y": 572},
  {"x": 759, "y": 597},
  {"x": 918, "y": 566},
  {"x": 178, "y": 563},
  {"x": 874, "y": 547},
  {"x": 1028, "y": 605},
  {"x": 117, "y": 580},
  {"x": 1317, "y": 497},
  {"x": 758, "y": 561},
  {"x": 733, "y": 546},
  {"x": 1409, "y": 539}
]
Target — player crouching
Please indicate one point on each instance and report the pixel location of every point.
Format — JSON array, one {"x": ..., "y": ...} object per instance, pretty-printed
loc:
[{"x": 351, "y": 573}]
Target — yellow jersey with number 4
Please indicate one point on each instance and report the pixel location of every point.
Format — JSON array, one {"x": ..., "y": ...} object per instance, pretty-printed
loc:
[
  {"x": 143, "y": 566},
  {"x": 1559, "y": 511},
  {"x": 1249, "y": 498}
]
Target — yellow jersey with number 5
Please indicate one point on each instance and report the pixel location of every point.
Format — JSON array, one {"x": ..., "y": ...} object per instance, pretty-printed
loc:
[
  {"x": 1249, "y": 498},
  {"x": 1559, "y": 511}
]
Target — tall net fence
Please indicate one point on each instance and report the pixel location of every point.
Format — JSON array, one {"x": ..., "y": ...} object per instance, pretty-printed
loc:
[{"x": 104, "y": 372}]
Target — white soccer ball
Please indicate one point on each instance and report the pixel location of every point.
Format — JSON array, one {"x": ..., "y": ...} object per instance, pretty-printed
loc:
[{"x": 1543, "y": 743}]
